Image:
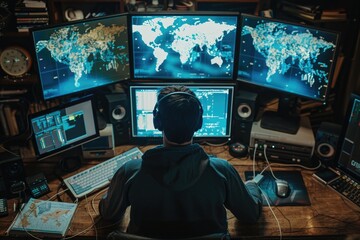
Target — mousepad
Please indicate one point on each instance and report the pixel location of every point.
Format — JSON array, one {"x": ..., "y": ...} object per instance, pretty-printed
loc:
[{"x": 298, "y": 194}]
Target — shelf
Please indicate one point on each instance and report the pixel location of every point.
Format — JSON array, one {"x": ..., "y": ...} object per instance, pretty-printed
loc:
[
  {"x": 19, "y": 81},
  {"x": 56, "y": 7},
  {"x": 243, "y": 6}
]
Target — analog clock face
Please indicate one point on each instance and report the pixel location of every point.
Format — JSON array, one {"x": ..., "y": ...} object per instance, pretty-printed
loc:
[{"x": 15, "y": 61}]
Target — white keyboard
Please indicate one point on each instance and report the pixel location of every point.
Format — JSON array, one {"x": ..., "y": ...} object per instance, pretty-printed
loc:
[{"x": 99, "y": 176}]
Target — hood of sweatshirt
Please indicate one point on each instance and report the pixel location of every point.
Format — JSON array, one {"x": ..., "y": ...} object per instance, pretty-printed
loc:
[{"x": 177, "y": 168}]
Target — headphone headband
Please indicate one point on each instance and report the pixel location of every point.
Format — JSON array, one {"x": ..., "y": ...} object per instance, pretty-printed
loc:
[
  {"x": 156, "y": 116},
  {"x": 180, "y": 93}
]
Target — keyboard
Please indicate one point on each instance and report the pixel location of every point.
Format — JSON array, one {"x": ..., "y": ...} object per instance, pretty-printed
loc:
[
  {"x": 348, "y": 188},
  {"x": 99, "y": 176}
]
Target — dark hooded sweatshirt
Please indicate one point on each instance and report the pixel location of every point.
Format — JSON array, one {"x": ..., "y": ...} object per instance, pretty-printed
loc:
[{"x": 179, "y": 192}]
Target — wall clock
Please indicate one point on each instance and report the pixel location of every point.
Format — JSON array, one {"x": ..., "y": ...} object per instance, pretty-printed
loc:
[{"x": 15, "y": 61}]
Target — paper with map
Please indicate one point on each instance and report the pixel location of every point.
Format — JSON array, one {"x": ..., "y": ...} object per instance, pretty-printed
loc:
[{"x": 44, "y": 218}]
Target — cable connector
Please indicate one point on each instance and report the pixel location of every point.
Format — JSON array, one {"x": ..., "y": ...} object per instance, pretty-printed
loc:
[{"x": 258, "y": 178}]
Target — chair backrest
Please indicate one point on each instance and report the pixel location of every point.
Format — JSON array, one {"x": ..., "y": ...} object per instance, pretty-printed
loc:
[{"x": 117, "y": 235}]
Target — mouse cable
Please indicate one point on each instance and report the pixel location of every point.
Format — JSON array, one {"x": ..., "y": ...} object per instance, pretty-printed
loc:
[
  {"x": 263, "y": 193},
  {"x": 272, "y": 211},
  {"x": 254, "y": 155},
  {"x": 254, "y": 160},
  {"x": 92, "y": 225},
  {"x": 267, "y": 161},
  {"x": 57, "y": 194},
  {"x": 95, "y": 197}
]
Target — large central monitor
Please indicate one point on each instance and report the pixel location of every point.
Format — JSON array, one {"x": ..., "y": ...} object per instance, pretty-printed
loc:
[
  {"x": 216, "y": 101},
  {"x": 292, "y": 59},
  {"x": 79, "y": 56},
  {"x": 184, "y": 46},
  {"x": 63, "y": 127}
]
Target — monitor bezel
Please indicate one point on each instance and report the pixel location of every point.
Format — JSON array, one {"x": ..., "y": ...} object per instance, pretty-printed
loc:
[
  {"x": 152, "y": 79},
  {"x": 135, "y": 139},
  {"x": 40, "y": 156},
  {"x": 280, "y": 92},
  {"x": 64, "y": 24}
]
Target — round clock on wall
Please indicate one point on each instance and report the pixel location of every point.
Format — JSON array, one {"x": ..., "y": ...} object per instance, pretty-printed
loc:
[{"x": 15, "y": 61}]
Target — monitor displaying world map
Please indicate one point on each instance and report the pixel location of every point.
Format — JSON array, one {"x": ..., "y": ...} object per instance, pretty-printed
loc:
[
  {"x": 78, "y": 56},
  {"x": 183, "y": 47},
  {"x": 288, "y": 57}
]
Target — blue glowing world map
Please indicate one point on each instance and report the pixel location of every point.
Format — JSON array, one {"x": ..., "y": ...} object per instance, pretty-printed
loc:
[
  {"x": 82, "y": 56},
  {"x": 184, "y": 46},
  {"x": 286, "y": 57}
]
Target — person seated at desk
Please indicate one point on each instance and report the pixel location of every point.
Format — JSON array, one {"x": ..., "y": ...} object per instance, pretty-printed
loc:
[{"x": 176, "y": 189}]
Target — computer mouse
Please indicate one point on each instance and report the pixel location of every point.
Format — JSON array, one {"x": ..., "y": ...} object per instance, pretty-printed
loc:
[{"x": 282, "y": 188}]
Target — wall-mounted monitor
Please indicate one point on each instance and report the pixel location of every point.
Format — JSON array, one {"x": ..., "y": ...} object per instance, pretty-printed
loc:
[
  {"x": 82, "y": 55},
  {"x": 63, "y": 127},
  {"x": 183, "y": 46},
  {"x": 294, "y": 60},
  {"x": 216, "y": 101}
]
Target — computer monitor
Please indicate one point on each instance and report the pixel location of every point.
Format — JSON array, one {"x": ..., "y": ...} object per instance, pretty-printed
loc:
[
  {"x": 183, "y": 46},
  {"x": 296, "y": 61},
  {"x": 79, "y": 56},
  {"x": 63, "y": 127},
  {"x": 349, "y": 152},
  {"x": 216, "y": 101}
]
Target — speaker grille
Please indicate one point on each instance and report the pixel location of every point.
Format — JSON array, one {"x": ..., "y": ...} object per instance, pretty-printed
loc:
[{"x": 326, "y": 142}]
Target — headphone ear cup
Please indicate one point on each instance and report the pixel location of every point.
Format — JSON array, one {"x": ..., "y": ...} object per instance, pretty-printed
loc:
[
  {"x": 157, "y": 121},
  {"x": 200, "y": 121}
]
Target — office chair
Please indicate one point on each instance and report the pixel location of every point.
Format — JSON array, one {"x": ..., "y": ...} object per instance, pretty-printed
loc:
[{"x": 119, "y": 235}]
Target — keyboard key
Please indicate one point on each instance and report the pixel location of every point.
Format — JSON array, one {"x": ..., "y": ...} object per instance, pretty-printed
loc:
[
  {"x": 348, "y": 188},
  {"x": 99, "y": 176}
]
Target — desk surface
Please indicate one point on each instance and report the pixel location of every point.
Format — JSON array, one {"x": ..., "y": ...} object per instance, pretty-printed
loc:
[{"x": 328, "y": 215}]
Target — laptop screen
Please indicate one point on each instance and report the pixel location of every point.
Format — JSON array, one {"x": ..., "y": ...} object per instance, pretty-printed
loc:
[{"x": 349, "y": 155}]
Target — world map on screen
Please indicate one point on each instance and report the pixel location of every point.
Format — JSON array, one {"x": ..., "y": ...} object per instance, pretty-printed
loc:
[
  {"x": 184, "y": 46},
  {"x": 291, "y": 58},
  {"x": 81, "y": 48},
  {"x": 282, "y": 50}
]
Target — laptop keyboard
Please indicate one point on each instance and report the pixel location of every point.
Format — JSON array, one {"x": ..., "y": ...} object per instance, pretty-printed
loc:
[{"x": 347, "y": 187}]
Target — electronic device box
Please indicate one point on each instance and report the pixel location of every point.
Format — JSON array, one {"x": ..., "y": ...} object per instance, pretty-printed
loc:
[{"x": 283, "y": 147}]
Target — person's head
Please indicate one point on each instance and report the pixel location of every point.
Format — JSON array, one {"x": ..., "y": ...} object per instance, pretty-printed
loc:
[{"x": 178, "y": 113}]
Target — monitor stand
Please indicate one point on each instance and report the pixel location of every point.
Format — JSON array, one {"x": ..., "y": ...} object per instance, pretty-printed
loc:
[
  {"x": 278, "y": 122},
  {"x": 71, "y": 159},
  {"x": 286, "y": 119}
]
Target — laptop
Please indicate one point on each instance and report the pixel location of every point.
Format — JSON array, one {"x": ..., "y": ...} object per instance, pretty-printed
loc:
[{"x": 347, "y": 183}]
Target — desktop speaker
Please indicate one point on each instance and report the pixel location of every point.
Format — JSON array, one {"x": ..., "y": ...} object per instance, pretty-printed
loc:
[
  {"x": 245, "y": 108},
  {"x": 11, "y": 173},
  {"x": 326, "y": 142},
  {"x": 118, "y": 113}
]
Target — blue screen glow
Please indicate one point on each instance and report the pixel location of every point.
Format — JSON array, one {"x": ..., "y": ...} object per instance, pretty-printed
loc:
[
  {"x": 215, "y": 100},
  {"x": 80, "y": 56},
  {"x": 63, "y": 127},
  {"x": 286, "y": 57},
  {"x": 183, "y": 46}
]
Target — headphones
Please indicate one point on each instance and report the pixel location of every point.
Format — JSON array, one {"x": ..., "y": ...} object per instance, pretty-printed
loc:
[{"x": 157, "y": 121}]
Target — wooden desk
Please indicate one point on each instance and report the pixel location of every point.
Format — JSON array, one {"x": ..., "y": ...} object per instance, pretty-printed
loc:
[{"x": 328, "y": 215}]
